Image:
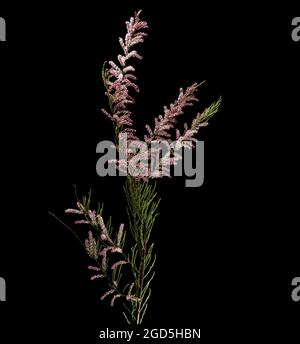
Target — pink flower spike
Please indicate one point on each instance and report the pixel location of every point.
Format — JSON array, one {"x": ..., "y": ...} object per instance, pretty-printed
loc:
[
  {"x": 117, "y": 79},
  {"x": 96, "y": 277},
  {"x": 164, "y": 123},
  {"x": 92, "y": 216},
  {"x": 94, "y": 268},
  {"x": 81, "y": 222},
  {"x": 91, "y": 246},
  {"x": 120, "y": 233},
  {"x": 107, "y": 293},
  {"x": 107, "y": 114},
  {"x": 73, "y": 211},
  {"x": 102, "y": 225},
  {"x": 114, "y": 299},
  {"x": 121, "y": 262}
]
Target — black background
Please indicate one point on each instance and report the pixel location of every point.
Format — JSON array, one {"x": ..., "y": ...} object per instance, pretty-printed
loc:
[{"x": 227, "y": 251}]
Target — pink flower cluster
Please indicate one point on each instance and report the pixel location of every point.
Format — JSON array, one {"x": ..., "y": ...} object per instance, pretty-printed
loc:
[
  {"x": 164, "y": 123},
  {"x": 91, "y": 244},
  {"x": 119, "y": 79},
  {"x": 99, "y": 245}
]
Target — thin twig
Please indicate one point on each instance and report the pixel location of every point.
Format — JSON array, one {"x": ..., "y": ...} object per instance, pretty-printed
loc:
[{"x": 66, "y": 226}]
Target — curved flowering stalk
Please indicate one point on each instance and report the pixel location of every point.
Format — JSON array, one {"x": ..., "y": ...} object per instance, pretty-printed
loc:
[
  {"x": 120, "y": 78},
  {"x": 106, "y": 249},
  {"x": 164, "y": 123}
]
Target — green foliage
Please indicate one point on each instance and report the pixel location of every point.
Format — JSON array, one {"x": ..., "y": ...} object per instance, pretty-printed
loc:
[
  {"x": 142, "y": 207},
  {"x": 207, "y": 114}
]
